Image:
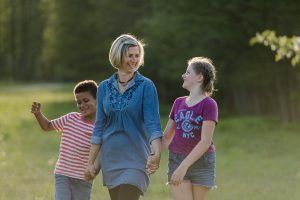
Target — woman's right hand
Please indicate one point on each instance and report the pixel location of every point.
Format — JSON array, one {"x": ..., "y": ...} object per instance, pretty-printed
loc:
[
  {"x": 94, "y": 165},
  {"x": 97, "y": 167},
  {"x": 90, "y": 172}
]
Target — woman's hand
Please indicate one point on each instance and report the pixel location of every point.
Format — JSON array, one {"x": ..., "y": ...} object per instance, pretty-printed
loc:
[
  {"x": 93, "y": 167},
  {"x": 97, "y": 167},
  {"x": 152, "y": 164},
  {"x": 154, "y": 159},
  {"x": 91, "y": 172}
]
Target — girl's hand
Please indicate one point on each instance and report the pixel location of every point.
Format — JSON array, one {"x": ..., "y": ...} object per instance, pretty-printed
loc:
[
  {"x": 178, "y": 175},
  {"x": 36, "y": 107}
]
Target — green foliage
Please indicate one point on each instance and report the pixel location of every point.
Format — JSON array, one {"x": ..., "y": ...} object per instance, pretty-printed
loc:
[
  {"x": 21, "y": 37},
  {"x": 69, "y": 41},
  {"x": 72, "y": 48},
  {"x": 285, "y": 47},
  {"x": 79, "y": 33},
  {"x": 177, "y": 31}
]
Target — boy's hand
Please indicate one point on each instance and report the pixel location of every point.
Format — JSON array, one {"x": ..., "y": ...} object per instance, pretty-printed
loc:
[
  {"x": 44, "y": 123},
  {"x": 36, "y": 108}
]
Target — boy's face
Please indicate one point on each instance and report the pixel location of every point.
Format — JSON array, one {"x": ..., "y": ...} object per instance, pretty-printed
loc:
[{"x": 86, "y": 104}]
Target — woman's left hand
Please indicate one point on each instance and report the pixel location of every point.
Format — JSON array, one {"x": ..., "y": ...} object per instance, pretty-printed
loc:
[{"x": 152, "y": 164}]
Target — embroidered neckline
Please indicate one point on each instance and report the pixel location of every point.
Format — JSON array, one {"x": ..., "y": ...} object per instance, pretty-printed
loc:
[{"x": 125, "y": 83}]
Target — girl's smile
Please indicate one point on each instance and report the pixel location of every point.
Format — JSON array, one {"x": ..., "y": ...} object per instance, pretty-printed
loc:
[{"x": 190, "y": 78}]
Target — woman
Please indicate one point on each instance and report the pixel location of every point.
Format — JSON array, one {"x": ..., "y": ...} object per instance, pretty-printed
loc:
[{"x": 127, "y": 122}]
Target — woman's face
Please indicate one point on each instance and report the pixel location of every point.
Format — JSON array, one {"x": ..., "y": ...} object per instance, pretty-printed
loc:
[{"x": 130, "y": 62}]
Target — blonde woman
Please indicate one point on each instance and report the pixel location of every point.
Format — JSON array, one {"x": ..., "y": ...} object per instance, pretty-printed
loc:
[{"x": 127, "y": 122}]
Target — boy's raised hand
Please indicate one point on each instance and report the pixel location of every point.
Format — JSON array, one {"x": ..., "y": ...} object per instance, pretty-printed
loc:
[{"x": 36, "y": 108}]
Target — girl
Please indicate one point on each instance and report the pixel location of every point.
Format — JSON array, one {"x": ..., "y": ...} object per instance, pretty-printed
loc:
[{"x": 189, "y": 134}]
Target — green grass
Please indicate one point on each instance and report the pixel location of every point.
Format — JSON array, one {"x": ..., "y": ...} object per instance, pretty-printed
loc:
[{"x": 257, "y": 158}]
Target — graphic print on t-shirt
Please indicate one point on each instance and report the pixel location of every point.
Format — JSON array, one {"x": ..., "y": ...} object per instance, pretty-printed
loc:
[{"x": 188, "y": 122}]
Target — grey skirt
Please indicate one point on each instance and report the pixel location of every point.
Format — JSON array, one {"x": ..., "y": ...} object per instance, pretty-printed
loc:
[
  {"x": 135, "y": 177},
  {"x": 202, "y": 172}
]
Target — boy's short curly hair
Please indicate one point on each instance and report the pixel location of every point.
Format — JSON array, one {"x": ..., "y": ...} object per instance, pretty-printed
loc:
[{"x": 86, "y": 86}]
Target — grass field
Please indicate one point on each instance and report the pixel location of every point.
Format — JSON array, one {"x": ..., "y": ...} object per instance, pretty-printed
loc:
[{"x": 257, "y": 158}]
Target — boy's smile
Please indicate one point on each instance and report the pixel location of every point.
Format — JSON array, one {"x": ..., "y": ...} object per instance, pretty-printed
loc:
[{"x": 86, "y": 105}]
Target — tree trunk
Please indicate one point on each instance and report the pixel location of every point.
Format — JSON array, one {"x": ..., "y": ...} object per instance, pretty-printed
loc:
[
  {"x": 12, "y": 59},
  {"x": 282, "y": 101},
  {"x": 24, "y": 51}
]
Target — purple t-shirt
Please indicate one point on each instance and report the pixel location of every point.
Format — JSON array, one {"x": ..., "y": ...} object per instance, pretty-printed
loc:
[{"x": 188, "y": 121}]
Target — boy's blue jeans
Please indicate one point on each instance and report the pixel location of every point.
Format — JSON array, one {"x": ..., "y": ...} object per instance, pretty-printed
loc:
[{"x": 68, "y": 188}]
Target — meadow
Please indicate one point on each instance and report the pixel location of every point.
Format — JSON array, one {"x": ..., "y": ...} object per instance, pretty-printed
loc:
[{"x": 257, "y": 157}]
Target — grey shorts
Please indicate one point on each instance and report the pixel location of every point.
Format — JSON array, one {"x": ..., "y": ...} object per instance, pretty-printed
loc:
[
  {"x": 71, "y": 188},
  {"x": 202, "y": 172}
]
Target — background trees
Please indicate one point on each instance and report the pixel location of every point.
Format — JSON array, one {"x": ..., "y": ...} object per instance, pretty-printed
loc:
[
  {"x": 285, "y": 47},
  {"x": 21, "y": 38},
  {"x": 64, "y": 40}
]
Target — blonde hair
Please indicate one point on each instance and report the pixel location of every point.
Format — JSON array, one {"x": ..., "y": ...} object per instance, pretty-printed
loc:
[
  {"x": 204, "y": 66},
  {"x": 119, "y": 49}
]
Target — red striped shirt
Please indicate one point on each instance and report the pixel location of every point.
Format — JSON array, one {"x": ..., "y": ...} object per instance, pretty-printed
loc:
[{"x": 74, "y": 146}]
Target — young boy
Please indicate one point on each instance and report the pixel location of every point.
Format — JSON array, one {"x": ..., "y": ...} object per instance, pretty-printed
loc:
[{"x": 76, "y": 128}]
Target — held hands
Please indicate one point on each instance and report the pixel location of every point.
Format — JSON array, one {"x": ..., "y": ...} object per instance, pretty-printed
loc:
[
  {"x": 92, "y": 171},
  {"x": 152, "y": 164},
  {"x": 36, "y": 108}
]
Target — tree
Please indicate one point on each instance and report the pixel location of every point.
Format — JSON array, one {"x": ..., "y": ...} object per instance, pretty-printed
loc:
[
  {"x": 285, "y": 47},
  {"x": 21, "y": 32},
  {"x": 79, "y": 34},
  {"x": 177, "y": 31}
]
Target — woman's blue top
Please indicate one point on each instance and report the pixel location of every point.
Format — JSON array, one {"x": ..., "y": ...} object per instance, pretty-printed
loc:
[{"x": 125, "y": 126}]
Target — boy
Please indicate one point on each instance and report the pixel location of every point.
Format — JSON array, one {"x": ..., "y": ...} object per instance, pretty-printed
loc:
[{"x": 76, "y": 128}]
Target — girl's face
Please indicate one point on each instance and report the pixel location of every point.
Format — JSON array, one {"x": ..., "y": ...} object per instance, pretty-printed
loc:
[
  {"x": 131, "y": 61},
  {"x": 191, "y": 79}
]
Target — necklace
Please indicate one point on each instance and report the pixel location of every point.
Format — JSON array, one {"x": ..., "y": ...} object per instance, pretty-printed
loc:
[{"x": 124, "y": 84}]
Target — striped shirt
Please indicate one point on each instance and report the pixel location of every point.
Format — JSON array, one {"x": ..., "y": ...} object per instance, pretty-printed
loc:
[{"x": 74, "y": 146}]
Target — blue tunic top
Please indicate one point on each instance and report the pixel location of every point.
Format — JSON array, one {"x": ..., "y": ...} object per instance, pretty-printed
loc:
[{"x": 125, "y": 126}]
